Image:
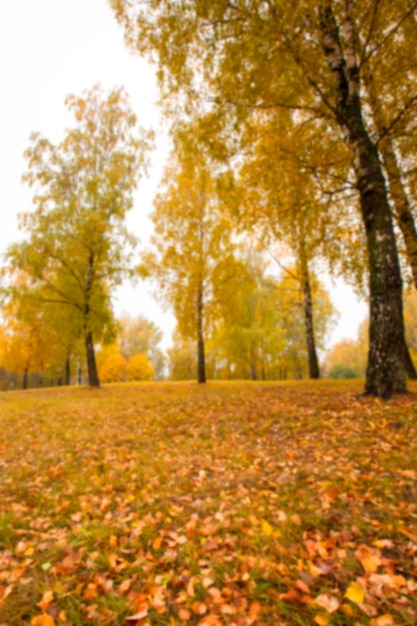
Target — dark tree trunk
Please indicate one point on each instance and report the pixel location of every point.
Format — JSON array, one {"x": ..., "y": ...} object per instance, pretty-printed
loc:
[
  {"x": 253, "y": 367},
  {"x": 409, "y": 365},
  {"x": 93, "y": 379},
  {"x": 68, "y": 370},
  {"x": 201, "y": 359},
  {"x": 400, "y": 199},
  {"x": 402, "y": 208},
  {"x": 405, "y": 221},
  {"x": 80, "y": 375},
  {"x": 385, "y": 371},
  {"x": 25, "y": 378},
  {"x": 313, "y": 362}
]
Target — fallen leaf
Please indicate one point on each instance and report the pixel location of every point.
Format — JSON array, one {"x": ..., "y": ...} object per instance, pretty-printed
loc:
[
  {"x": 327, "y": 602},
  {"x": 267, "y": 528},
  {"x": 356, "y": 593},
  {"x": 383, "y": 620},
  {"x": 301, "y": 585},
  {"x": 184, "y": 615},
  {"x": 47, "y": 598},
  {"x": 43, "y": 620},
  {"x": 137, "y": 616}
]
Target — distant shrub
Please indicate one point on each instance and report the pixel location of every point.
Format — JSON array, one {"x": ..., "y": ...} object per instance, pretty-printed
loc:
[
  {"x": 113, "y": 368},
  {"x": 342, "y": 372},
  {"x": 139, "y": 368}
]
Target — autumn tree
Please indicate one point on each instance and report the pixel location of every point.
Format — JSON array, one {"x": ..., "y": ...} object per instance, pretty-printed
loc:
[
  {"x": 77, "y": 246},
  {"x": 182, "y": 358},
  {"x": 259, "y": 331},
  {"x": 138, "y": 335},
  {"x": 295, "y": 358},
  {"x": 139, "y": 368},
  {"x": 111, "y": 364},
  {"x": 347, "y": 359},
  {"x": 25, "y": 348},
  {"x": 37, "y": 341},
  {"x": 191, "y": 242},
  {"x": 308, "y": 57},
  {"x": 247, "y": 339},
  {"x": 288, "y": 173}
]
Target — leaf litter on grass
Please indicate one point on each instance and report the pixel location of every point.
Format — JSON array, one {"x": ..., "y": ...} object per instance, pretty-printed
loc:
[{"x": 230, "y": 504}]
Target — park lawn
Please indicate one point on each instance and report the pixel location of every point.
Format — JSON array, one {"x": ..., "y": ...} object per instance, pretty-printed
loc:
[{"x": 223, "y": 504}]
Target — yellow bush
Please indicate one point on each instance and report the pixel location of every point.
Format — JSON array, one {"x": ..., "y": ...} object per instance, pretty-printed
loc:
[
  {"x": 112, "y": 369},
  {"x": 139, "y": 368}
]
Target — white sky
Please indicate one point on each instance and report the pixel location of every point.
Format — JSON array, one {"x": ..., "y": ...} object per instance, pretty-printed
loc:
[{"x": 51, "y": 48}]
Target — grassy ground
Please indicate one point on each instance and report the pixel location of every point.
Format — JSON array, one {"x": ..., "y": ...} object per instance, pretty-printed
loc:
[{"x": 230, "y": 504}]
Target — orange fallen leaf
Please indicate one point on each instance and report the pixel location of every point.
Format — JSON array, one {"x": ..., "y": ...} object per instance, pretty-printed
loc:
[
  {"x": 210, "y": 620},
  {"x": 199, "y": 607},
  {"x": 383, "y": 620},
  {"x": 292, "y": 597},
  {"x": 47, "y": 598},
  {"x": 254, "y": 609},
  {"x": 301, "y": 585},
  {"x": 125, "y": 585},
  {"x": 43, "y": 620}
]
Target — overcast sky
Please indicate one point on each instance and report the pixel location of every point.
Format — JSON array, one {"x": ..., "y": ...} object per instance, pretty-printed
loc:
[{"x": 51, "y": 48}]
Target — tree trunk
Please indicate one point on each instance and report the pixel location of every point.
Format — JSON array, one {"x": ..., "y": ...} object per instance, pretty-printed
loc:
[
  {"x": 405, "y": 221},
  {"x": 201, "y": 360},
  {"x": 93, "y": 379},
  {"x": 402, "y": 208},
  {"x": 409, "y": 365},
  {"x": 313, "y": 362},
  {"x": 401, "y": 203},
  {"x": 68, "y": 370},
  {"x": 385, "y": 371},
  {"x": 25, "y": 378}
]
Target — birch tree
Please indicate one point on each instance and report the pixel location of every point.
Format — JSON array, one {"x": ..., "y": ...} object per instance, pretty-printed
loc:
[
  {"x": 191, "y": 242},
  {"x": 77, "y": 247}
]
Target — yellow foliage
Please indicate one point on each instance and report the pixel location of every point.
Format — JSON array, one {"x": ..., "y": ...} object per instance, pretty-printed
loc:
[
  {"x": 113, "y": 368},
  {"x": 139, "y": 368}
]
